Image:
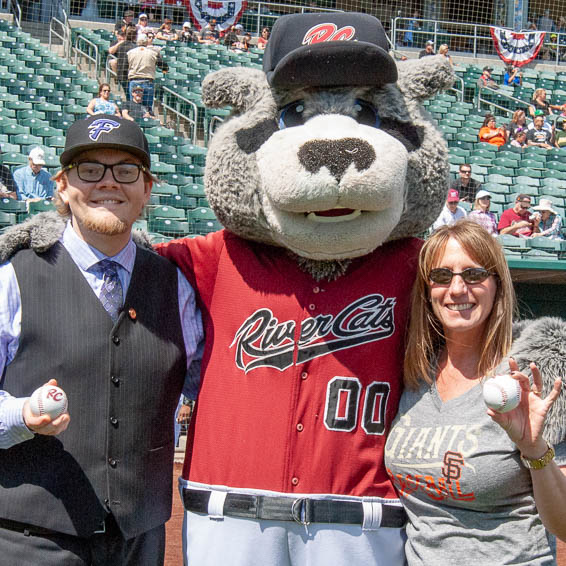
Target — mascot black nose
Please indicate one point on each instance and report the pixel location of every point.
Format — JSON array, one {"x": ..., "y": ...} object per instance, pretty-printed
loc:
[{"x": 336, "y": 155}]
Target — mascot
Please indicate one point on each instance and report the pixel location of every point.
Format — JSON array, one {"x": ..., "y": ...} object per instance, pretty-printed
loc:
[{"x": 323, "y": 175}]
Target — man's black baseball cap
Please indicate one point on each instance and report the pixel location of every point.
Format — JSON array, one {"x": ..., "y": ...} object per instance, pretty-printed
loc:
[
  {"x": 328, "y": 49},
  {"x": 105, "y": 131}
]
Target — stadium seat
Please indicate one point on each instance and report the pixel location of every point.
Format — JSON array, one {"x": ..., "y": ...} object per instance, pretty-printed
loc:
[
  {"x": 7, "y": 219},
  {"x": 169, "y": 227},
  {"x": 179, "y": 201},
  {"x": 166, "y": 212},
  {"x": 34, "y": 207}
]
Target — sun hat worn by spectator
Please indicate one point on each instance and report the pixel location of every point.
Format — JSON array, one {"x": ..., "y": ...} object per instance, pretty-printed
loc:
[{"x": 545, "y": 204}]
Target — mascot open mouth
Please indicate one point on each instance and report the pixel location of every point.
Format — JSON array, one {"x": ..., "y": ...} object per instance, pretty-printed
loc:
[{"x": 337, "y": 214}]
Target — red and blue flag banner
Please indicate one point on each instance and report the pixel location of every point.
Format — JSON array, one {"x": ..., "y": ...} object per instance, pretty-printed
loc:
[
  {"x": 517, "y": 48},
  {"x": 225, "y": 13}
]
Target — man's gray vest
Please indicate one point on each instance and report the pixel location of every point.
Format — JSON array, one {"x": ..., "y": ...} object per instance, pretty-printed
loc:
[{"x": 123, "y": 383}]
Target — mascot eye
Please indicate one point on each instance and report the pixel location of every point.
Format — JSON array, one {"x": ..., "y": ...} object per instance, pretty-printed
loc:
[
  {"x": 366, "y": 114},
  {"x": 292, "y": 115}
]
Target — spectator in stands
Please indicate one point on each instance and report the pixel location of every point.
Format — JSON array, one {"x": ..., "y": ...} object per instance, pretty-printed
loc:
[
  {"x": 243, "y": 44},
  {"x": 127, "y": 20},
  {"x": 143, "y": 26},
  {"x": 481, "y": 213},
  {"x": 546, "y": 124},
  {"x": 451, "y": 212},
  {"x": 209, "y": 33},
  {"x": 539, "y": 136},
  {"x": 411, "y": 27},
  {"x": 263, "y": 38},
  {"x": 8, "y": 187},
  {"x": 560, "y": 134},
  {"x": 230, "y": 37},
  {"x": 120, "y": 51},
  {"x": 549, "y": 221},
  {"x": 519, "y": 139},
  {"x": 187, "y": 34},
  {"x": 513, "y": 76},
  {"x": 545, "y": 22},
  {"x": 143, "y": 62},
  {"x": 539, "y": 102},
  {"x": 465, "y": 185},
  {"x": 102, "y": 103},
  {"x": 428, "y": 50},
  {"x": 517, "y": 220},
  {"x": 32, "y": 181},
  {"x": 443, "y": 50},
  {"x": 485, "y": 79},
  {"x": 134, "y": 109},
  {"x": 166, "y": 31},
  {"x": 518, "y": 123},
  {"x": 491, "y": 133}
]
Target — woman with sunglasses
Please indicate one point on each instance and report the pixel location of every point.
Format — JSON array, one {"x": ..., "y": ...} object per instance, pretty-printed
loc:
[
  {"x": 481, "y": 213},
  {"x": 102, "y": 104},
  {"x": 462, "y": 471}
]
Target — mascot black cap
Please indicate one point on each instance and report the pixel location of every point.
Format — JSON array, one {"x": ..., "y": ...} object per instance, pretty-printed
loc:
[
  {"x": 105, "y": 131},
  {"x": 328, "y": 49}
]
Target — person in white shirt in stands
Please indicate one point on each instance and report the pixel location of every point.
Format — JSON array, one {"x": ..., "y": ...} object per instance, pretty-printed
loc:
[{"x": 451, "y": 212}]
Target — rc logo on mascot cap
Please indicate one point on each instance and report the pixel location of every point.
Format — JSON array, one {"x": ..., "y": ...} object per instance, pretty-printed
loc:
[{"x": 325, "y": 50}]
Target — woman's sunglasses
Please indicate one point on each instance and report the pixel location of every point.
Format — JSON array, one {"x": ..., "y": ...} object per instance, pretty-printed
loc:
[{"x": 471, "y": 276}]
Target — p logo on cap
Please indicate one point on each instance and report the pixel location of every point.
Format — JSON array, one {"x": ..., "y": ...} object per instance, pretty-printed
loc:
[{"x": 98, "y": 127}]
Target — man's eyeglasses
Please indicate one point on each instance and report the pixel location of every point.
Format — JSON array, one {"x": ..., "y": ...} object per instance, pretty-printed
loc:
[
  {"x": 471, "y": 276},
  {"x": 92, "y": 171},
  {"x": 465, "y": 171},
  {"x": 525, "y": 204}
]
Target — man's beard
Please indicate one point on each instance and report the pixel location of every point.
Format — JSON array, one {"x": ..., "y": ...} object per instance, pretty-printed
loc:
[{"x": 106, "y": 226}]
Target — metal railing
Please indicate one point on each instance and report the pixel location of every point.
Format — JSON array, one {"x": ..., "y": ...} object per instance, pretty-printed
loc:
[
  {"x": 62, "y": 31},
  {"x": 176, "y": 103},
  {"x": 16, "y": 10},
  {"x": 90, "y": 53}
]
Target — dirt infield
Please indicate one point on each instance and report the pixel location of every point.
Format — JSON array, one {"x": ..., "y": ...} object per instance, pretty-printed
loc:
[{"x": 173, "y": 549}]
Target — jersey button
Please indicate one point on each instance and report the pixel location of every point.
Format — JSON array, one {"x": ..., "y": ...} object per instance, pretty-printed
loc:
[
  {"x": 316, "y": 290},
  {"x": 304, "y": 375},
  {"x": 295, "y": 481},
  {"x": 300, "y": 427},
  {"x": 312, "y": 306}
]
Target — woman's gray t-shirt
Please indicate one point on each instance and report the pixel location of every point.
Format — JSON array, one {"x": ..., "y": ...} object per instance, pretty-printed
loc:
[{"x": 468, "y": 497}]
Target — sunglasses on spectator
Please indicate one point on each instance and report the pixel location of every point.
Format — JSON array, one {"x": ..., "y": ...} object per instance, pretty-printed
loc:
[
  {"x": 471, "y": 276},
  {"x": 93, "y": 171},
  {"x": 465, "y": 171}
]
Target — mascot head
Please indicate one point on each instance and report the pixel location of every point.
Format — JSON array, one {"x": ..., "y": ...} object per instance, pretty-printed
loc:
[{"x": 328, "y": 152}]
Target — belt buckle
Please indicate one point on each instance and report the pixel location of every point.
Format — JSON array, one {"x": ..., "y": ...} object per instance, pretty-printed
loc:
[
  {"x": 102, "y": 530},
  {"x": 297, "y": 510}
]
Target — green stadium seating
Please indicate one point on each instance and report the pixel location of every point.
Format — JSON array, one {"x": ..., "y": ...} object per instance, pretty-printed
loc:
[
  {"x": 169, "y": 227},
  {"x": 166, "y": 212},
  {"x": 34, "y": 207}
]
